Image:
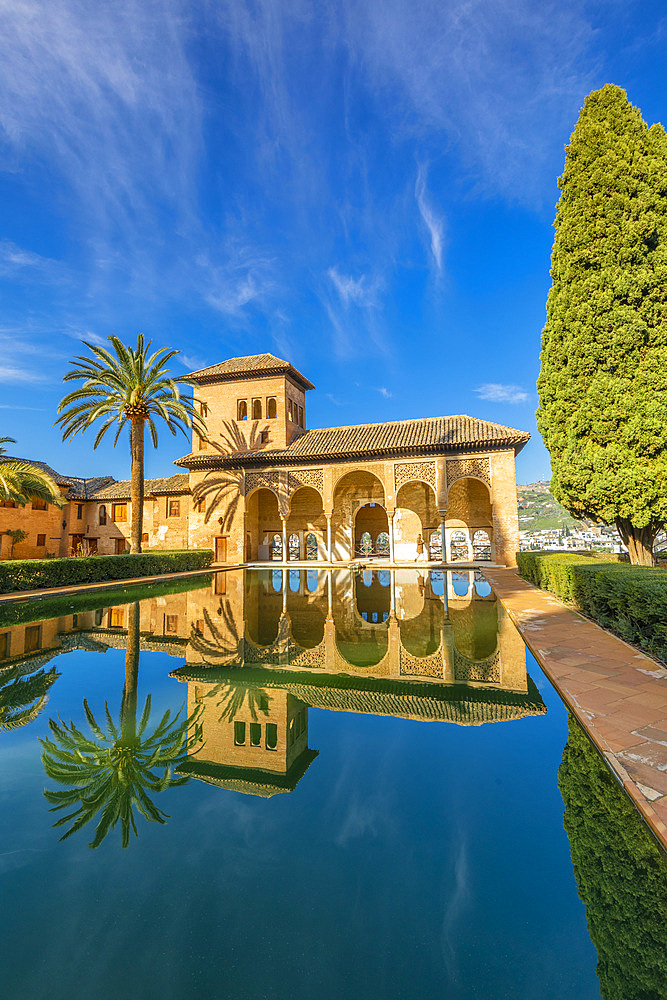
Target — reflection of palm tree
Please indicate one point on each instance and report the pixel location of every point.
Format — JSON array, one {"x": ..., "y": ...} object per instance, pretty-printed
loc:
[
  {"x": 232, "y": 696},
  {"x": 219, "y": 647},
  {"x": 114, "y": 771},
  {"x": 221, "y": 489},
  {"x": 23, "y": 697}
]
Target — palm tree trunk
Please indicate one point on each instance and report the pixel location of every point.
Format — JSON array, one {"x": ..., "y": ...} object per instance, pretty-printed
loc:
[
  {"x": 137, "y": 482},
  {"x": 128, "y": 708}
]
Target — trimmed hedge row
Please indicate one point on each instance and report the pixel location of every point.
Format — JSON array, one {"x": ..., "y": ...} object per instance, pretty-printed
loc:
[
  {"x": 37, "y": 574},
  {"x": 628, "y": 600},
  {"x": 22, "y": 612}
]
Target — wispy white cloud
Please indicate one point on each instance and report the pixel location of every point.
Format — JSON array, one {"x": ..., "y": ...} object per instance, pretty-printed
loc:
[
  {"x": 433, "y": 222},
  {"x": 385, "y": 392},
  {"x": 499, "y": 393},
  {"x": 18, "y": 264},
  {"x": 12, "y": 373}
]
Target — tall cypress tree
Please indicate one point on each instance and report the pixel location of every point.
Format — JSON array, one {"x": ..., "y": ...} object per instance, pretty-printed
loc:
[{"x": 603, "y": 379}]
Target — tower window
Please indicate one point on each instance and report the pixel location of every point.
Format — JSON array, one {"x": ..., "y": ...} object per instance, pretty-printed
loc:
[
  {"x": 239, "y": 734},
  {"x": 203, "y": 409},
  {"x": 264, "y": 437},
  {"x": 301, "y": 416},
  {"x": 38, "y": 504},
  {"x": 271, "y": 408},
  {"x": 242, "y": 410},
  {"x": 256, "y": 409},
  {"x": 289, "y": 410},
  {"x": 271, "y": 736},
  {"x": 103, "y": 514},
  {"x": 255, "y": 734}
]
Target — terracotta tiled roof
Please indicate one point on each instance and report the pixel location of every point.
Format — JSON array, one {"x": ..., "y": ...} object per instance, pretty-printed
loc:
[
  {"x": 178, "y": 483},
  {"x": 251, "y": 781},
  {"x": 429, "y": 435},
  {"x": 79, "y": 488},
  {"x": 427, "y": 700},
  {"x": 253, "y": 364}
]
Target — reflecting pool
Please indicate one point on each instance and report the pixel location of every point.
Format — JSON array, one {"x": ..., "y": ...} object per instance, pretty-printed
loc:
[{"x": 301, "y": 783}]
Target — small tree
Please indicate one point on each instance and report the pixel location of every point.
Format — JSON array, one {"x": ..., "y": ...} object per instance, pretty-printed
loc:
[
  {"x": 17, "y": 536},
  {"x": 127, "y": 385},
  {"x": 603, "y": 379}
]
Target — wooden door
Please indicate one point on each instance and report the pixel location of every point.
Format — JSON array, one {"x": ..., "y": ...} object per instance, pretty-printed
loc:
[{"x": 221, "y": 549}]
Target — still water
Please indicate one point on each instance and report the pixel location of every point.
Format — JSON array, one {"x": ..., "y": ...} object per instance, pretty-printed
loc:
[{"x": 308, "y": 784}]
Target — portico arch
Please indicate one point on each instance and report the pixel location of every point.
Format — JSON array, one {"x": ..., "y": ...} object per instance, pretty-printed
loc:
[
  {"x": 354, "y": 490},
  {"x": 416, "y": 513},
  {"x": 263, "y": 521},
  {"x": 469, "y": 510},
  {"x": 306, "y": 517}
]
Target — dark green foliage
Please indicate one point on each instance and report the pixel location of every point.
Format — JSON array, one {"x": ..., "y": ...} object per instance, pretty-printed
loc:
[
  {"x": 25, "y": 611},
  {"x": 35, "y": 574},
  {"x": 23, "y": 694},
  {"x": 621, "y": 875},
  {"x": 603, "y": 378},
  {"x": 108, "y": 775},
  {"x": 628, "y": 600}
]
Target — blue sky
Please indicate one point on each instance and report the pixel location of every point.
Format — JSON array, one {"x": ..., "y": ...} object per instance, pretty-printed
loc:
[{"x": 365, "y": 187}]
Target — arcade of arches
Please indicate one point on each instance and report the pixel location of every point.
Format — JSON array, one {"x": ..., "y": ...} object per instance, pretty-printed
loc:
[{"x": 362, "y": 513}]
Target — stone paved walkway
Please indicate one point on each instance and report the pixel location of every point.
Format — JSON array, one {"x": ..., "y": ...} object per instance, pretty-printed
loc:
[{"x": 618, "y": 694}]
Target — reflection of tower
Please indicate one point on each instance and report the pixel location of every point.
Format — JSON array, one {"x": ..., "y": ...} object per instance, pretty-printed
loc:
[{"x": 254, "y": 739}]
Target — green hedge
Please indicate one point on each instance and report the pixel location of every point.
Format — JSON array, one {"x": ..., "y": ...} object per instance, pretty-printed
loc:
[
  {"x": 629, "y": 600},
  {"x": 24, "y": 611},
  {"x": 621, "y": 875},
  {"x": 36, "y": 574}
]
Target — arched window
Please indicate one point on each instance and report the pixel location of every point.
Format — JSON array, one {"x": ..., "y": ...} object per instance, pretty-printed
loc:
[
  {"x": 482, "y": 585},
  {"x": 436, "y": 544},
  {"x": 243, "y": 410},
  {"x": 311, "y": 580},
  {"x": 311, "y": 545},
  {"x": 277, "y": 579},
  {"x": 294, "y": 546},
  {"x": 367, "y": 578},
  {"x": 461, "y": 582},
  {"x": 277, "y": 546},
  {"x": 256, "y": 409},
  {"x": 384, "y": 577},
  {"x": 383, "y": 544},
  {"x": 481, "y": 546},
  {"x": 366, "y": 544},
  {"x": 103, "y": 514},
  {"x": 271, "y": 408},
  {"x": 294, "y": 580},
  {"x": 458, "y": 545},
  {"x": 437, "y": 582}
]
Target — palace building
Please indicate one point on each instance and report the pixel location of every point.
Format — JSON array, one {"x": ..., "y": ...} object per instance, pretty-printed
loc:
[{"x": 264, "y": 487}]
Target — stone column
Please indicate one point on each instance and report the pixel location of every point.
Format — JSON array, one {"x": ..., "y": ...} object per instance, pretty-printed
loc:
[
  {"x": 442, "y": 536},
  {"x": 329, "y": 596},
  {"x": 284, "y": 520},
  {"x": 329, "y": 546},
  {"x": 390, "y": 518},
  {"x": 469, "y": 534}
]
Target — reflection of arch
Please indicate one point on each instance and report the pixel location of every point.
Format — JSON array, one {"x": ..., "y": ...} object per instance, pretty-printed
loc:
[
  {"x": 481, "y": 545},
  {"x": 475, "y": 629},
  {"x": 271, "y": 409},
  {"x": 461, "y": 583},
  {"x": 242, "y": 412},
  {"x": 256, "y": 409},
  {"x": 421, "y": 636}
]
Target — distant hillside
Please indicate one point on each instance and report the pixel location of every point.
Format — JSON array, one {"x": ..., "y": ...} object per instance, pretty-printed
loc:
[{"x": 539, "y": 510}]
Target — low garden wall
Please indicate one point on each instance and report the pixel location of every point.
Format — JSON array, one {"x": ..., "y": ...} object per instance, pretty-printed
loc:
[
  {"x": 38, "y": 574},
  {"x": 628, "y": 600}
]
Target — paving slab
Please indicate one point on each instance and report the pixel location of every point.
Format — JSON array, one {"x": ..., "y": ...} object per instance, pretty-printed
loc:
[{"x": 618, "y": 694}]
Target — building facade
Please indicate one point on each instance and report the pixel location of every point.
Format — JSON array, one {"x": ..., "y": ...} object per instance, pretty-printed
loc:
[{"x": 263, "y": 487}]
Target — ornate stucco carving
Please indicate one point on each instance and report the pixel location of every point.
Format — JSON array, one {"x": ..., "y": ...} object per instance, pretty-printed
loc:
[
  {"x": 315, "y": 657},
  {"x": 404, "y": 472},
  {"x": 459, "y": 468},
  {"x": 477, "y": 670},
  {"x": 421, "y": 666},
  {"x": 270, "y": 480},
  {"x": 306, "y": 477}
]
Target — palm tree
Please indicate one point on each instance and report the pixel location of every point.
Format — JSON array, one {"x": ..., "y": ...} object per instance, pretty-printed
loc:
[
  {"x": 23, "y": 694},
  {"x": 114, "y": 771},
  {"x": 121, "y": 385},
  {"x": 21, "y": 482}
]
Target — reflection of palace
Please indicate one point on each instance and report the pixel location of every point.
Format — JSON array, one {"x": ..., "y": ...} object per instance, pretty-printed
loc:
[{"x": 263, "y": 646}]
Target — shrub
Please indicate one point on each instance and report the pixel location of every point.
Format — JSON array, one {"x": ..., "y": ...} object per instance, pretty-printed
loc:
[
  {"x": 36, "y": 574},
  {"x": 628, "y": 600}
]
